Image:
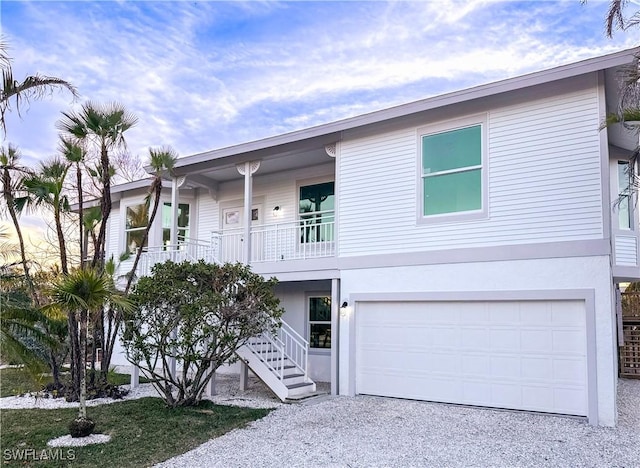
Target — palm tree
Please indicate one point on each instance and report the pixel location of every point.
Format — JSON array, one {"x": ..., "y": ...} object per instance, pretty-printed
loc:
[
  {"x": 104, "y": 125},
  {"x": 82, "y": 293},
  {"x": 20, "y": 328},
  {"x": 9, "y": 164},
  {"x": 46, "y": 188},
  {"x": 75, "y": 154},
  {"x": 162, "y": 161},
  {"x": 32, "y": 87}
]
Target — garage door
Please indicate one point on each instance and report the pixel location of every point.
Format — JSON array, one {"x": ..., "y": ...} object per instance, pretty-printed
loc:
[{"x": 528, "y": 355}]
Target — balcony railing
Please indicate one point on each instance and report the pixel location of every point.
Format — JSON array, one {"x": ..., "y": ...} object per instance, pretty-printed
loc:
[
  {"x": 312, "y": 236},
  {"x": 187, "y": 249}
]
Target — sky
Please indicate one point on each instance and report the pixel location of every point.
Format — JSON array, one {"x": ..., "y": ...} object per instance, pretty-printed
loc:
[{"x": 201, "y": 75}]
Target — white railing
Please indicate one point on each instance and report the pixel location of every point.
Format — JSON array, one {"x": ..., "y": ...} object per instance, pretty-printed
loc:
[
  {"x": 296, "y": 348},
  {"x": 312, "y": 236},
  {"x": 187, "y": 249},
  {"x": 283, "y": 347},
  {"x": 273, "y": 360}
]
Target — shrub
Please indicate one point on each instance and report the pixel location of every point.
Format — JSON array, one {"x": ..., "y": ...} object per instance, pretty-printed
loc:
[{"x": 197, "y": 314}]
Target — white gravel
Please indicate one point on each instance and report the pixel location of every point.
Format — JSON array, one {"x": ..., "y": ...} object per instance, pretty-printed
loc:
[
  {"x": 372, "y": 432},
  {"x": 382, "y": 432},
  {"x": 227, "y": 389},
  {"x": 68, "y": 441},
  {"x": 40, "y": 402}
]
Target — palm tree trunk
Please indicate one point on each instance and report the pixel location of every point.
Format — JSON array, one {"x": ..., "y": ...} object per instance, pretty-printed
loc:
[
  {"x": 105, "y": 207},
  {"x": 82, "y": 411},
  {"x": 76, "y": 357},
  {"x": 61, "y": 242},
  {"x": 6, "y": 181},
  {"x": 157, "y": 190},
  {"x": 80, "y": 215},
  {"x": 55, "y": 369}
]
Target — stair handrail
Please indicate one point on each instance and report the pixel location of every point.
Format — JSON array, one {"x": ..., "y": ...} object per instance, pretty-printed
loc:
[
  {"x": 279, "y": 348},
  {"x": 298, "y": 352}
]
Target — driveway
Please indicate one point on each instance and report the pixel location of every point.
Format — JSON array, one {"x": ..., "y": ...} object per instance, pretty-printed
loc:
[{"x": 382, "y": 432}]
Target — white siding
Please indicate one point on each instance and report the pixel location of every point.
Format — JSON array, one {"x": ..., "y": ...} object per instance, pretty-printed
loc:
[
  {"x": 626, "y": 251},
  {"x": 114, "y": 230},
  {"x": 544, "y": 183},
  {"x": 207, "y": 213}
]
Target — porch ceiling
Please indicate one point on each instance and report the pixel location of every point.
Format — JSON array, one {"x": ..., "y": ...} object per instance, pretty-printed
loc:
[{"x": 225, "y": 170}]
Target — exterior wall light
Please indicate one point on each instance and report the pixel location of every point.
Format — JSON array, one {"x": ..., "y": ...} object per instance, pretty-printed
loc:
[
  {"x": 277, "y": 212},
  {"x": 345, "y": 310}
]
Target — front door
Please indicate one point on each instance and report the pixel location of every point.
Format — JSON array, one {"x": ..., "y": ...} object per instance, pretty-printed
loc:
[{"x": 232, "y": 239}]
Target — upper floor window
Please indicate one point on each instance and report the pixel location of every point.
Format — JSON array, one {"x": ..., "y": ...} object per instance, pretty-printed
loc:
[
  {"x": 316, "y": 206},
  {"x": 135, "y": 225},
  {"x": 452, "y": 171},
  {"x": 624, "y": 196},
  {"x": 183, "y": 222}
]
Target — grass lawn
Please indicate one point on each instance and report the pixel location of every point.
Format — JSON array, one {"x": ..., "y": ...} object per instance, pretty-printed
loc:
[
  {"x": 143, "y": 432},
  {"x": 17, "y": 381}
]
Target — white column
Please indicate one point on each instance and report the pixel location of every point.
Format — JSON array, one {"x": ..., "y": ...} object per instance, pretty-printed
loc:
[
  {"x": 175, "y": 197},
  {"x": 244, "y": 375},
  {"x": 335, "y": 320},
  {"x": 247, "y": 170},
  {"x": 211, "y": 386},
  {"x": 135, "y": 377},
  {"x": 248, "y": 205}
]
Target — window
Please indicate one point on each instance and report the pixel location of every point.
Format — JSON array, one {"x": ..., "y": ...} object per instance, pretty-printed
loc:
[
  {"x": 624, "y": 194},
  {"x": 316, "y": 212},
  {"x": 183, "y": 222},
  {"x": 136, "y": 223},
  {"x": 452, "y": 171},
  {"x": 320, "y": 322}
]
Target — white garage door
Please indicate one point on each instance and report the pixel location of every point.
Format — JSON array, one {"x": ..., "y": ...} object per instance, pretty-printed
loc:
[{"x": 529, "y": 355}]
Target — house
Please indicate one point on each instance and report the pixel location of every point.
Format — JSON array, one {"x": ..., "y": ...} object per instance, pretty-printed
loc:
[{"x": 465, "y": 248}]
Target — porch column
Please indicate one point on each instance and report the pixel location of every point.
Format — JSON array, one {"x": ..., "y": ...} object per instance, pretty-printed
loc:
[
  {"x": 335, "y": 320},
  {"x": 175, "y": 196},
  {"x": 244, "y": 375},
  {"x": 247, "y": 170},
  {"x": 176, "y": 183}
]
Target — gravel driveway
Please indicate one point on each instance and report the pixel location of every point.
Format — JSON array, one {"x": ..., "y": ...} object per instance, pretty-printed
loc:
[{"x": 371, "y": 432}]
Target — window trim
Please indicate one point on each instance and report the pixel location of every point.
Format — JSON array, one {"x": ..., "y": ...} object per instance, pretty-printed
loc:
[
  {"x": 629, "y": 195},
  {"x": 316, "y": 181},
  {"x": 125, "y": 246},
  {"x": 189, "y": 227},
  {"x": 442, "y": 127},
  {"x": 308, "y": 322}
]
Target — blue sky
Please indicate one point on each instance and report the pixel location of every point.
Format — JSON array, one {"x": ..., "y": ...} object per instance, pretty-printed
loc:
[{"x": 203, "y": 75}]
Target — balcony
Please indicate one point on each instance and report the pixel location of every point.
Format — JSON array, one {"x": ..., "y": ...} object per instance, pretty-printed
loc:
[{"x": 312, "y": 236}]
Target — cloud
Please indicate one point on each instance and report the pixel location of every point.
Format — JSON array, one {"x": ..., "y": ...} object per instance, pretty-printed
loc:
[{"x": 201, "y": 75}]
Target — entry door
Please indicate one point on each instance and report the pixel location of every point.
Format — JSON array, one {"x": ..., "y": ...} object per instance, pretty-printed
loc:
[{"x": 232, "y": 241}]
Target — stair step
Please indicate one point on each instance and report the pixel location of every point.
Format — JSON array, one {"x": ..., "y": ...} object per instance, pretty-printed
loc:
[
  {"x": 293, "y": 376},
  {"x": 298, "y": 385}
]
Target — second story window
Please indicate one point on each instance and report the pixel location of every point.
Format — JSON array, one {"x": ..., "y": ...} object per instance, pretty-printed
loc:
[
  {"x": 625, "y": 216},
  {"x": 316, "y": 212},
  {"x": 452, "y": 171},
  {"x": 183, "y": 222},
  {"x": 136, "y": 223}
]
